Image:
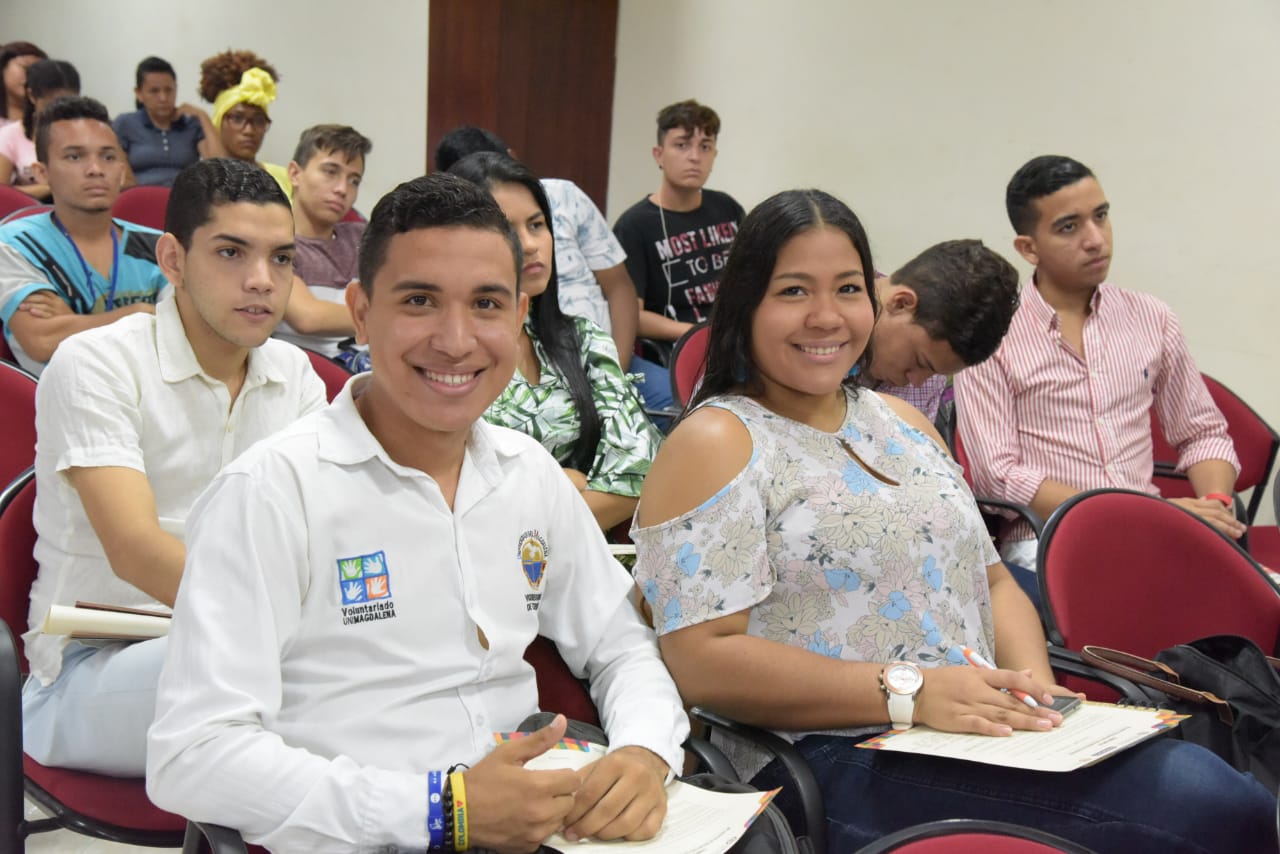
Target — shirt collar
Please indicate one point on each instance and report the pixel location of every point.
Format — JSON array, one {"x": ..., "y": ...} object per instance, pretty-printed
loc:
[
  {"x": 1044, "y": 313},
  {"x": 179, "y": 120},
  {"x": 345, "y": 439},
  {"x": 178, "y": 361}
]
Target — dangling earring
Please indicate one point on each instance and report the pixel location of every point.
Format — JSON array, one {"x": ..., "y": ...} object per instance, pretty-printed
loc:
[
  {"x": 855, "y": 370},
  {"x": 740, "y": 370}
]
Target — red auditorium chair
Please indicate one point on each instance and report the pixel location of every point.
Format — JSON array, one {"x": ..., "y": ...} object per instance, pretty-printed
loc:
[{"x": 143, "y": 205}]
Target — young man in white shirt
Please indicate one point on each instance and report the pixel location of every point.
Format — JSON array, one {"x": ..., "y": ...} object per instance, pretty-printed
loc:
[
  {"x": 361, "y": 588},
  {"x": 133, "y": 420}
]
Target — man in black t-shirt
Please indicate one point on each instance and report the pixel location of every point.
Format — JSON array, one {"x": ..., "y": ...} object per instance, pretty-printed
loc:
[{"x": 677, "y": 239}]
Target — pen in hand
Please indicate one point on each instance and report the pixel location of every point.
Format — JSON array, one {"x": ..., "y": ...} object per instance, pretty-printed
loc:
[{"x": 977, "y": 660}]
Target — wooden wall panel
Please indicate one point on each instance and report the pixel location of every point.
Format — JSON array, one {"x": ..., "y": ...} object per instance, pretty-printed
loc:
[{"x": 539, "y": 73}]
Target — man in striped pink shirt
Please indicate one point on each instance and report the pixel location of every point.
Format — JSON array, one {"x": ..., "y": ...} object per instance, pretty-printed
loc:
[{"x": 1064, "y": 404}]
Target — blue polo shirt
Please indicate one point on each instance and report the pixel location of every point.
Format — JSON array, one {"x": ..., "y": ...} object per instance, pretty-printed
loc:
[{"x": 157, "y": 156}]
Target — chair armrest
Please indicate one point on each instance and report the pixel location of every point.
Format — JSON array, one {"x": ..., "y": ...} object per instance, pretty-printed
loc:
[
  {"x": 222, "y": 840},
  {"x": 1067, "y": 661},
  {"x": 1032, "y": 519},
  {"x": 806, "y": 786},
  {"x": 711, "y": 758}
]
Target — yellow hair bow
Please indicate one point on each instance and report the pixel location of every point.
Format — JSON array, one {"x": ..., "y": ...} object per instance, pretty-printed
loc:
[{"x": 256, "y": 87}]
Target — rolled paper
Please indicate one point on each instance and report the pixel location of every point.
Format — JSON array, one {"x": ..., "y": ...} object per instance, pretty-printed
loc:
[{"x": 93, "y": 623}]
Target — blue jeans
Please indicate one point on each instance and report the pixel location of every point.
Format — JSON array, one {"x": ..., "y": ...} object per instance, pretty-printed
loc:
[
  {"x": 654, "y": 387},
  {"x": 1162, "y": 795}
]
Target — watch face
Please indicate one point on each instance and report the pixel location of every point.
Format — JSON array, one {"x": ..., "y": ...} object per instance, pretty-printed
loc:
[{"x": 902, "y": 678}]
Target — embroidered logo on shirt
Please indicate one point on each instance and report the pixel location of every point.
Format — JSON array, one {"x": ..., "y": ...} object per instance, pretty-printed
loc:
[
  {"x": 533, "y": 554},
  {"x": 365, "y": 584}
]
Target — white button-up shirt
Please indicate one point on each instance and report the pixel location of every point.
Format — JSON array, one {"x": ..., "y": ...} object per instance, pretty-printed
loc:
[
  {"x": 132, "y": 394},
  {"x": 326, "y": 649}
]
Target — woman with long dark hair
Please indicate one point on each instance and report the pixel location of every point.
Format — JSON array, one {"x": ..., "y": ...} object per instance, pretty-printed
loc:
[
  {"x": 47, "y": 80},
  {"x": 816, "y": 565},
  {"x": 15, "y": 59},
  {"x": 568, "y": 391}
]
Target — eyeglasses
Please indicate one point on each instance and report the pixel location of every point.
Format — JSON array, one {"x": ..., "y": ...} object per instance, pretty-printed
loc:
[{"x": 257, "y": 121}]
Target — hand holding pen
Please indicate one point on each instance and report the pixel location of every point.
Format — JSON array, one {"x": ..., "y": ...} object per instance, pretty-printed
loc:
[{"x": 977, "y": 660}]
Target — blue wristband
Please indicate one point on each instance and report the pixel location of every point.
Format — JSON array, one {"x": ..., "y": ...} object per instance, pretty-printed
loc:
[{"x": 435, "y": 811}]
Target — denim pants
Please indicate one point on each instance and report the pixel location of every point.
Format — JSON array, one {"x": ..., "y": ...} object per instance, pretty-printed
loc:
[
  {"x": 1162, "y": 795},
  {"x": 95, "y": 715},
  {"x": 654, "y": 387}
]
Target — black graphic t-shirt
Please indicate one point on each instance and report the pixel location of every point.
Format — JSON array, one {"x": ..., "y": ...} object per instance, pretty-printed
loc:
[{"x": 680, "y": 266}]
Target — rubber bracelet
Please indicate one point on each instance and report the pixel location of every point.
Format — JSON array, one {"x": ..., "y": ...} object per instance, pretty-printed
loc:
[
  {"x": 1227, "y": 500},
  {"x": 435, "y": 811},
  {"x": 461, "y": 832}
]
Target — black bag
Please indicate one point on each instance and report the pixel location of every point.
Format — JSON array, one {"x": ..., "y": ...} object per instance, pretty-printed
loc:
[{"x": 1229, "y": 686}]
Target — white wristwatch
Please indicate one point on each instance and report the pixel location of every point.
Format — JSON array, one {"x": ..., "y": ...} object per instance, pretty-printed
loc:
[{"x": 901, "y": 681}]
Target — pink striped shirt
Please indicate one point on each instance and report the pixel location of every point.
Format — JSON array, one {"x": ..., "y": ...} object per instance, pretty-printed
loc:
[{"x": 1036, "y": 410}]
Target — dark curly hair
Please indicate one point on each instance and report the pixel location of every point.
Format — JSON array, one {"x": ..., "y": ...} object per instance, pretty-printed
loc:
[{"x": 222, "y": 71}]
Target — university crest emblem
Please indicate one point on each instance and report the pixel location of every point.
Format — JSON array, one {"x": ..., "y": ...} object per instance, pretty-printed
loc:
[{"x": 533, "y": 557}]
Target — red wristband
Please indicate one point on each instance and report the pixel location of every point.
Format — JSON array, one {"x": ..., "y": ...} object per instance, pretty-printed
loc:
[{"x": 1227, "y": 500}]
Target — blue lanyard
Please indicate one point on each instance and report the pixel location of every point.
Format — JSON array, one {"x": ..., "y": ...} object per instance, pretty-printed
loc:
[{"x": 88, "y": 273}]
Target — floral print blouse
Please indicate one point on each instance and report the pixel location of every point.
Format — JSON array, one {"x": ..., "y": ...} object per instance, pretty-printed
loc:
[
  {"x": 827, "y": 556},
  {"x": 546, "y": 412}
]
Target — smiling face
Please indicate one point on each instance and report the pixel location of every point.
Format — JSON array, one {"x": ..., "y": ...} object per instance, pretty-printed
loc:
[
  {"x": 85, "y": 167},
  {"x": 243, "y": 128},
  {"x": 1071, "y": 243},
  {"x": 441, "y": 320},
  {"x": 157, "y": 95},
  {"x": 232, "y": 285},
  {"x": 533, "y": 231},
  {"x": 814, "y": 321}
]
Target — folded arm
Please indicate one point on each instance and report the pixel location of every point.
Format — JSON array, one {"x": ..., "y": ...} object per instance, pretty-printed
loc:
[{"x": 310, "y": 315}]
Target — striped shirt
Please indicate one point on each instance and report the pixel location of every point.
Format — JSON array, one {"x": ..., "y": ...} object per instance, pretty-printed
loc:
[
  {"x": 1038, "y": 410},
  {"x": 926, "y": 397}
]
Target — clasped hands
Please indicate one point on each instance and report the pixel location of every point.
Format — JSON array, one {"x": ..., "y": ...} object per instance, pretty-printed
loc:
[
  {"x": 514, "y": 809},
  {"x": 976, "y": 700}
]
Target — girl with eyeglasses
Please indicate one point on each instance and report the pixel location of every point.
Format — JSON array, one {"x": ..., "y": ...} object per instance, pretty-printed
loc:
[{"x": 241, "y": 86}]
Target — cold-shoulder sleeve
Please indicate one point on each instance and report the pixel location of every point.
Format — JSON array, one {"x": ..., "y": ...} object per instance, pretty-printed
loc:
[{"x": 710, "y": 562}]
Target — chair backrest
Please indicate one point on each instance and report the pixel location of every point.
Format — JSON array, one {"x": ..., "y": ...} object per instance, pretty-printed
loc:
[
  {"x": 30, "y": 210},
  {"x": 332, "y": 374},
  {"x": 1133, "y": 572},
  {"x": 17, "y": 563},
  {"x": 1256, "y": 444},
  {"x": 972, "y": 836},
  {"x": 961, "y": 458},
  {"x": 143, "y": 205},
  {"x": 558, "y": 689},
  {"x": 12, "y": 199},
  {"x": 17, "y": 421},
  {"x": 689, "y": 363},
  {"x": 353, "y": 215}
]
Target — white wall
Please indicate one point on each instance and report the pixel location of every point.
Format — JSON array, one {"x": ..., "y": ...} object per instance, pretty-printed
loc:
[
  {"x": 917, "y": 112},
  {"x": 339, "y": 61}
]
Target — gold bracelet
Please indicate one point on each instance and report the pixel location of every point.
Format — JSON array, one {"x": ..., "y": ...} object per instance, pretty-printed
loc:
[{"x": 461, "y": 832}]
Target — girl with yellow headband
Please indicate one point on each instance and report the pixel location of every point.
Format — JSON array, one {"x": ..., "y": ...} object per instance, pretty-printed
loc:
[{"x": 241, "y": 86}]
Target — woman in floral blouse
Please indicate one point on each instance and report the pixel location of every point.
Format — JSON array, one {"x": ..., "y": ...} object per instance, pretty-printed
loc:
[
  {"x": 568, "y": 391},
  {"x": 802, "y": 542}
]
